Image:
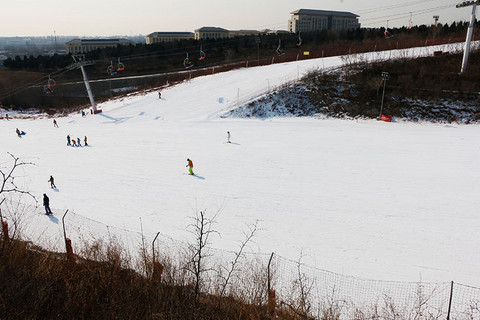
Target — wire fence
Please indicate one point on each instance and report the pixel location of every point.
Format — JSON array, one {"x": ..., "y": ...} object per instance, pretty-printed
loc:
[
  {"x": 245, "y": 96},
  {"x": 248, "y": 275}
]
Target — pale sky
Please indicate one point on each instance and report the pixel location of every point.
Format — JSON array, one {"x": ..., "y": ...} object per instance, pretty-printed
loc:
[{"x": 111, "y": 18}]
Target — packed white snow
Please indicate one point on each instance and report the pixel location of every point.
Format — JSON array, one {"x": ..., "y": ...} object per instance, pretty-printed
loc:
[{"x": 387, "y": 201}]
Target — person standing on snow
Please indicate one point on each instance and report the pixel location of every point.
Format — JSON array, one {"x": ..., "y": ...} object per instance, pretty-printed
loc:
[
  {"x": 46, "y": 204},
  {"x": 52, "y": 183},
  {"x": 55, "y": 123},
  {"x": 190, "y": 166},
  {"x": 68, "y": 140},
  {"x": 85, "y": 140},
  {"x": 78, "y": 142},
  {"x": 228, "y": 137}
]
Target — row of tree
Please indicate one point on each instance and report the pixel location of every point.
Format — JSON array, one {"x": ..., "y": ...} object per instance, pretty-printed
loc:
[{"x": 166, "y": 55}]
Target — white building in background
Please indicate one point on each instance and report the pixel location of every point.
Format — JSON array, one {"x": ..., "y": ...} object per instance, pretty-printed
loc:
[
  {"x": 211, "y": 33},
  {"x": 305, "y": 20},
  {"x": 77, "y": 46},
  {"x": 166, "y": 36}
]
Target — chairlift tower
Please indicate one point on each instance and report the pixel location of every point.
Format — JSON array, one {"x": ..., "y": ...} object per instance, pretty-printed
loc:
[
  {"x": 80, "y": 62},
  {"x": 468, "y": 40}
]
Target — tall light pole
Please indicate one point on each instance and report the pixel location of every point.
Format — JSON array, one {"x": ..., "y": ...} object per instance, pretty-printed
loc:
[
  {"x": 385, "y": 78},
  {"x": 468, "y": 40}
]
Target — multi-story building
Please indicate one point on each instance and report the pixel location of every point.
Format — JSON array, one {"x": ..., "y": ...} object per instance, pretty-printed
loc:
[
  {"x": 211, "y": 33},
  {"x": 239, "y": 33},
  {"x": 77, "y": 46},
  {"x": 157, "y": 37},
  {"x": 305, "y": 20}
]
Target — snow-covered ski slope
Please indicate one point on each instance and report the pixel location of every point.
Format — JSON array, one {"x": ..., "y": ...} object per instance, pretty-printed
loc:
[{"x": 387, "y": 201}]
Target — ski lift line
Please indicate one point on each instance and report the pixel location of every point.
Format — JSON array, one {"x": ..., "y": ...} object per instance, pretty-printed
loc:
[
  {"x": 35, "y": 83},
  {"x": 407, "y": 14},
  {"x": 395, "y": 6},
  {"x": 376, "y": 22}
]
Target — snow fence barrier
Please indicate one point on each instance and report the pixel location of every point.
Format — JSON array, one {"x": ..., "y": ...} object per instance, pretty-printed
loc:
[{"x": 252, "y": 275}]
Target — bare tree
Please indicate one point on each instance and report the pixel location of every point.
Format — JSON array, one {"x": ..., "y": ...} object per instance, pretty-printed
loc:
[
  {"x": 202, "y": 229},
  {"x": 9, "y": 186},
  {"x": 7, "y": 182},
  {"x": 248, "y": 237}
]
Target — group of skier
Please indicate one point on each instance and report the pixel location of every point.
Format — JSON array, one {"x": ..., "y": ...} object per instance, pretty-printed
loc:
[
  {"x": 73, "y": 142},
  {"x": 76, "y": 142}
]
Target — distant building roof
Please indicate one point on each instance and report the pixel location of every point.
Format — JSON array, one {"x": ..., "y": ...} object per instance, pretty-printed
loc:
[
  {"x": 170, "y": 33},
  {"x": 324, "y": 12},
  {"x": 99, "y": 40},
  {"x": 211, "y": 29}
]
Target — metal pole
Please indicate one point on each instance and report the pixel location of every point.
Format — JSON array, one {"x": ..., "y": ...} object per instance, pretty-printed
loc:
[
  {"x": 89, "y": 91},
  {"x": 64, "y": 231},
  {"x": 468, "y": 39},
  {"x": 153, "y": 247},
  {"x": 450, "y": 302},
  {"x": 257, "y": 40},
  {"x": 384, "y": 76},
  {"x": 268, "y": 272}
]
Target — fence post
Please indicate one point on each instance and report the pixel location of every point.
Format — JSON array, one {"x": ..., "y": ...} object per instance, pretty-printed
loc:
[
  {"x": 271, "y": 292},
  {"x": 68, "y": 242},
  {"x": 450, "y": 302},
  {"x": 5, "y": 230},
  {"x": 157, "y": 266}
]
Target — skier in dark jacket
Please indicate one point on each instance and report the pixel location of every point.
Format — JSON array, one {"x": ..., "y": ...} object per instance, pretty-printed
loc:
[
  {"x": 68, "y": 140},
  {"x": 52, "y": 183},
  {"x": 46, "y": 204}
]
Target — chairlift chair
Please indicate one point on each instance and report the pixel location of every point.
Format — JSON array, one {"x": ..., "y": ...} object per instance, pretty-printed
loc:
[
  {"x": 120, "y": 66},
  {"x": 187, "y": 63},
  {"x": 202, "y": 54},
  {"x": 279, "y": 50},
  {"x": 410, "y": 22},
  {"x": 48, "y": 88},
  {"x": 386, "y": 33},
  {"x": 111, "y": 69},
  {"x": 299, "y": 43}
]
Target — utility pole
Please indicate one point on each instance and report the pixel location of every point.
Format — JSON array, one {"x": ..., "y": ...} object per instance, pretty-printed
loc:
[
  {"x": 257, "y": 41},
  {"x": 385, "y": 78},
  {"x": 435, "y": 18},
  {"x": 55, "y": 35},
  {"x": 468, "y": 40},
  {"x": 80, "y": 62}
]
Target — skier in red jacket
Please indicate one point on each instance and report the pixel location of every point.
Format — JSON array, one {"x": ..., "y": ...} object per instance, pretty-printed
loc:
[{"x": 190, "y": 166}]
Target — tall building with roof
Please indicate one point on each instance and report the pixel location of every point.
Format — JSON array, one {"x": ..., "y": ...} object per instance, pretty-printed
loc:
[
  {"x": 305, "y": 20},
  {"x": 211, "y": 33},
  {"x": 77, "y": 46},
  {"x": 167, "y": 36}
]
